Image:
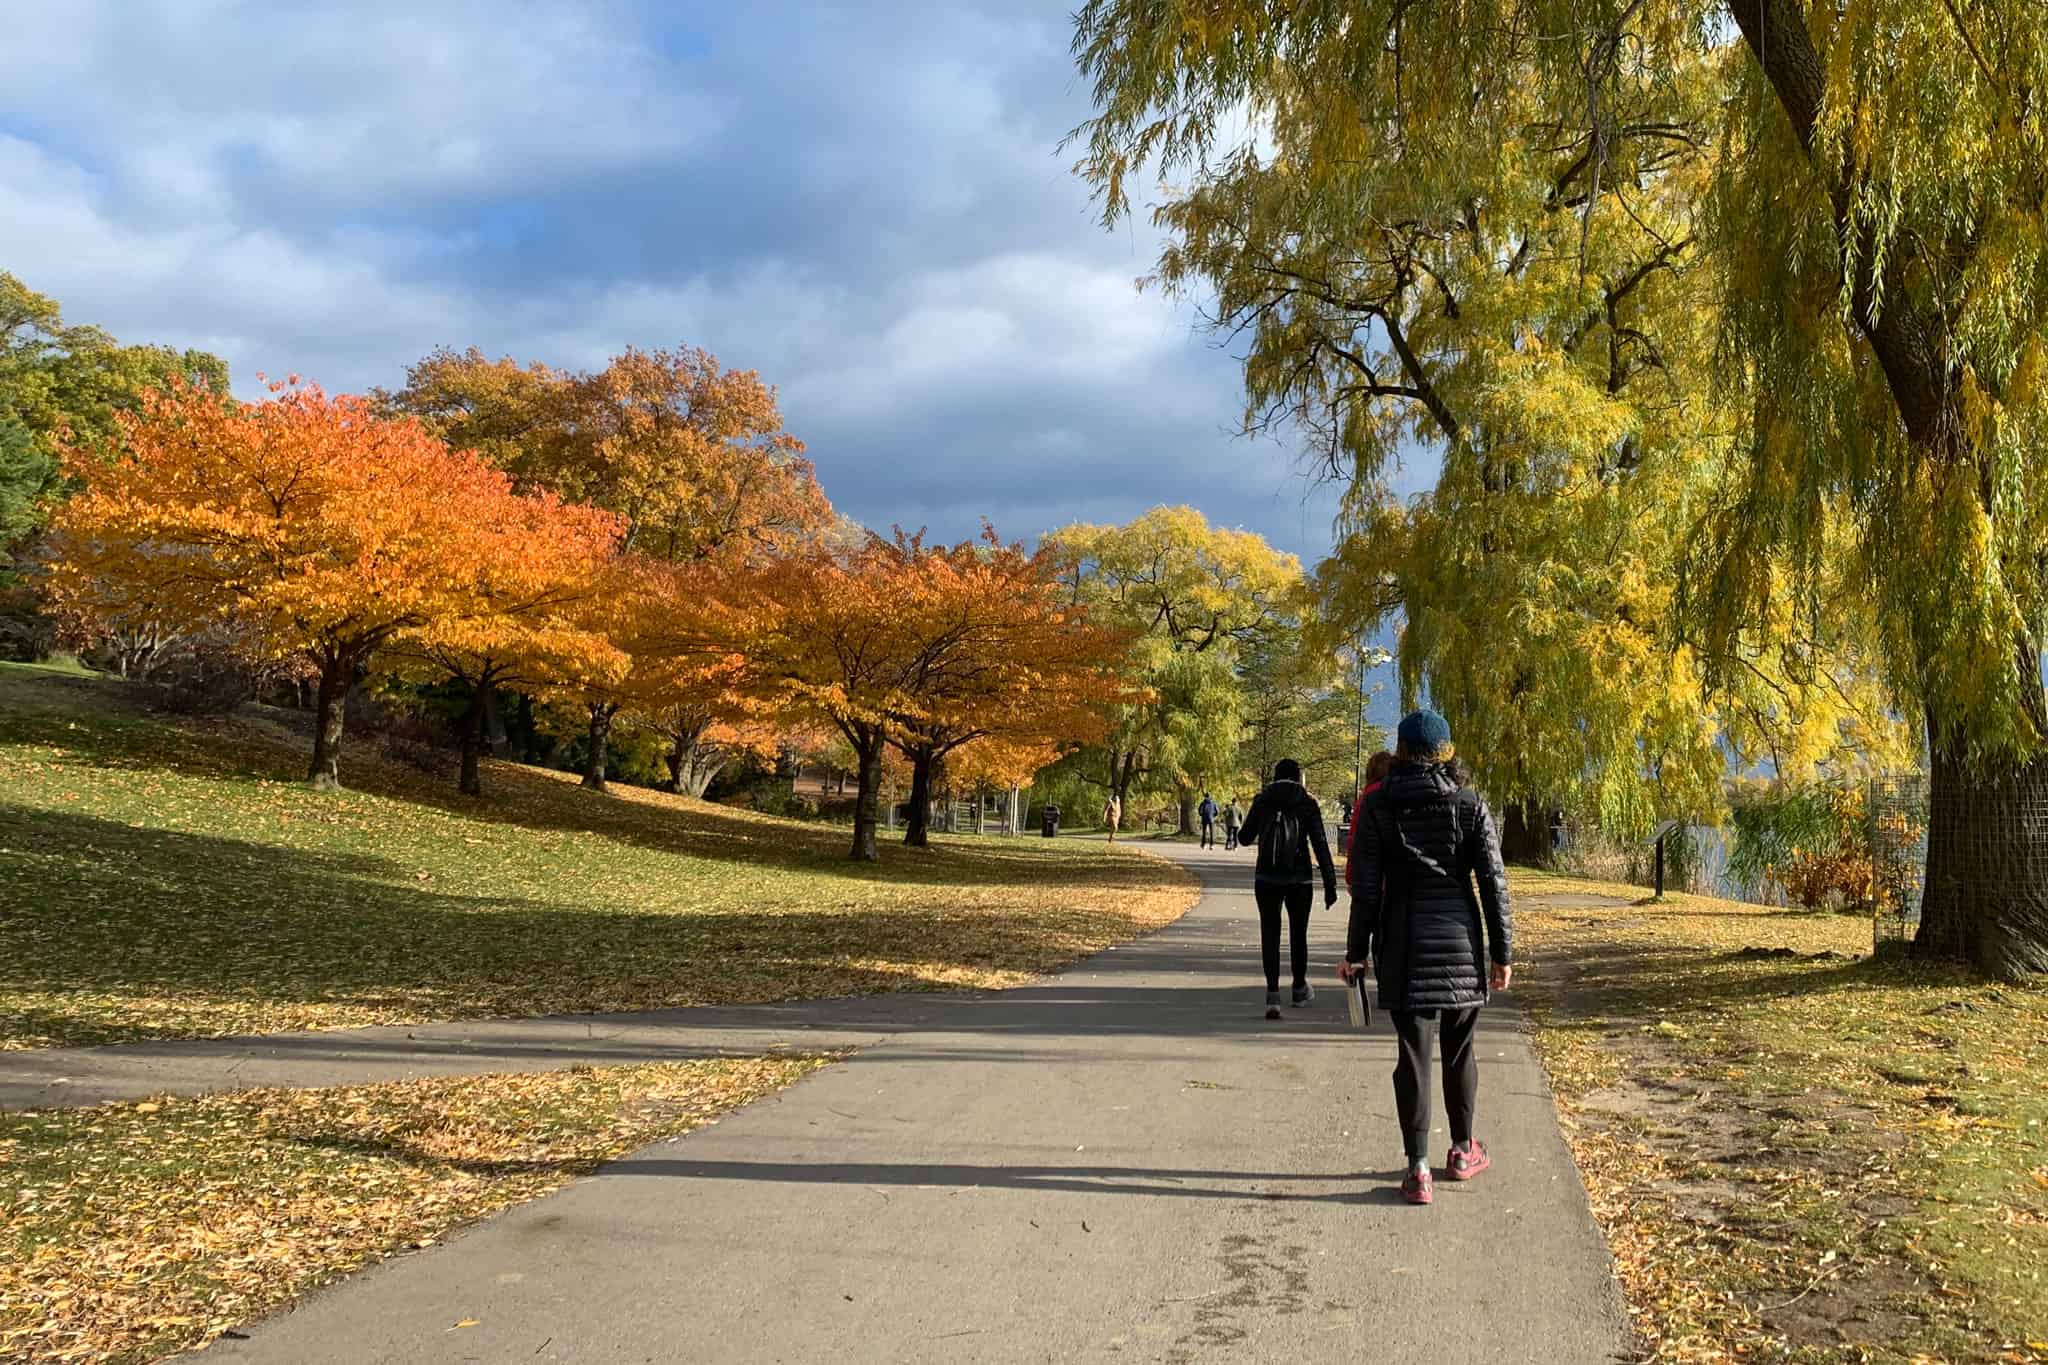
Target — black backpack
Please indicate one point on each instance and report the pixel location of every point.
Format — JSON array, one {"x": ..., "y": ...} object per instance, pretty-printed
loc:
[{"x": 1283, "y": 848}]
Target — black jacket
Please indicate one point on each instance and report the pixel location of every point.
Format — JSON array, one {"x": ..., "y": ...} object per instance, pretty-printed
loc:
[
  {"x": 1422, "y": 842},
  {"x": 1289, "y": 796}
]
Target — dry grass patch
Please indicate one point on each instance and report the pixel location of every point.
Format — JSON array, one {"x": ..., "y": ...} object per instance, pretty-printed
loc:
[
  {"x": 161, "y": 880},
  {"x": 136, "y": 1231},
  {"x": 1798, "y": 1152}
]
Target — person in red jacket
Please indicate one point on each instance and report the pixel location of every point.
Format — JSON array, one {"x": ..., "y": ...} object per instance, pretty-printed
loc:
[{"x": 1376, "y": 769}]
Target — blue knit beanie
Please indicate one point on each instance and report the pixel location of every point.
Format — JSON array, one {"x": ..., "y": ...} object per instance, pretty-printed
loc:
[{"x": 1424, "y": 733}]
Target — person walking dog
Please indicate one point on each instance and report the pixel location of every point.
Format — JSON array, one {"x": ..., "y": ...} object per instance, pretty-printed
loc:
[
  {"x": 1429, "y": 905},
  {"x": 1288, "y": 826}
]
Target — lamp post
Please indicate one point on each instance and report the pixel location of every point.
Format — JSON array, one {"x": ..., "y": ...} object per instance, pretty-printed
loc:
[{"x": 1358, "y": 732}]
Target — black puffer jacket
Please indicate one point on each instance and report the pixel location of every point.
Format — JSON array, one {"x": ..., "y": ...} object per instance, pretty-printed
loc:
[
  {"x": 1294, "y": 866},
  {"x": 1423, "y": 842}
]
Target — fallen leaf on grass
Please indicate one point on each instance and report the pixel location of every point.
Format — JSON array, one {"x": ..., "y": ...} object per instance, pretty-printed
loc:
[{"x": 157, "y": 1228}]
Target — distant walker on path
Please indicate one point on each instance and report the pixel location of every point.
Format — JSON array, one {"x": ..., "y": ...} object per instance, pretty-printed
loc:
[
  {"x": 1112, "y": 815},
  {"x": 1423, "y": 840},
  {"x": 1207, "y": 811},
  {"x": 1287, "y": 824}
]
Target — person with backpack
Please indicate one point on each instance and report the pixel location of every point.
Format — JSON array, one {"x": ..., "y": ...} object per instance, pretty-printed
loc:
[
  {"x": 1287, "y": 824},
  {"x": 1207, "y": 811},
  {"x": 1429, "y": 908},
  {"x": 1231, "y": 819}
]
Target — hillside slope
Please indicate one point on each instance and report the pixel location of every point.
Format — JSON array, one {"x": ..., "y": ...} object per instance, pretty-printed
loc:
[{"x": 164, "y": 879}]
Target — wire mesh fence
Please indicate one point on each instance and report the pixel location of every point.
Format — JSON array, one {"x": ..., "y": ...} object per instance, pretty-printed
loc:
[
  {"x": 1874, "y": 861},
  {"x": 1895, "y": 837}
]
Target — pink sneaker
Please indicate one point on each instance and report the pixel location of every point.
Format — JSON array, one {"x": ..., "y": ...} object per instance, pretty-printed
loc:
[
  {"x": 1419, "y": 1188},
  {"x": 1467, "y": 1159}
]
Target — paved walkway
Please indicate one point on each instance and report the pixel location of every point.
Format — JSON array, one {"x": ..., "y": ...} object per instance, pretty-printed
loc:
[{"x": 1125, "y": 1162}]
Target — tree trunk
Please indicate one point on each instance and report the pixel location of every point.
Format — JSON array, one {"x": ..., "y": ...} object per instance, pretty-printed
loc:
[
  {"x": 1986, "y": 896},
  {"x": 1524, "y": 834},
  {"x": 917, "y": 830},
  {"x": 1187, "y": 809},
  {"x": 601, "y": 714},
  {"x": 495, "y": 737},
  {"x": 337, "y": 676},
  {"x": 691, "y": 769},
  {"x": 866, "y": 804},
  {"x": 1987, "y": 832},
  {"x": 473, "y": 739}
]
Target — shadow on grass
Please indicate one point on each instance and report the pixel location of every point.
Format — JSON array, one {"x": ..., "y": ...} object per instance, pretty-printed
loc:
[
  {"x": 95, "y": 906},
  {"x": 1641, "y": 980},
  {"x": 102, "y": 722}
]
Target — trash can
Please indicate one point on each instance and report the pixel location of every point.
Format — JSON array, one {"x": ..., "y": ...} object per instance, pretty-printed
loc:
[{"x": 1049, "y": 823}]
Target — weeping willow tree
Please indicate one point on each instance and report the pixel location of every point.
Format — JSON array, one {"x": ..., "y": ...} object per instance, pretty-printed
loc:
[
  {"x": 1195, "y": 597},
  {"x": 1726, "y": 309},
  {"x": 1435, "y": 257}
]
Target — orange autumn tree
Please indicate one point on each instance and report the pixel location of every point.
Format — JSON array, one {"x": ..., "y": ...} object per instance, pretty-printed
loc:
[
  {"x": 684, "y": 682},
  {"x": 1011, "y": 664},
  {"x": 314, "y": 527},
  {"x": 995, "y": 765},
  {"x": 925, "y": 648},
  {"x": 528, "y": 622},
  {"x": 828, "y": 639},
  {"x": 692, "y": 456}
]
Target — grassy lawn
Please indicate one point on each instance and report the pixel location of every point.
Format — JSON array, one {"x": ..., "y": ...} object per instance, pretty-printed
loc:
[
  {"x": 1798, "y": 1152},
  {"x": 175, "y": 880},
  {"x": 135, "y": 1231}
]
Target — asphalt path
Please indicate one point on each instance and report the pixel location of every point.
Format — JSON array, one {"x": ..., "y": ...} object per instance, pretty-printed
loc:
[{"x": 1126, "y": 1162}]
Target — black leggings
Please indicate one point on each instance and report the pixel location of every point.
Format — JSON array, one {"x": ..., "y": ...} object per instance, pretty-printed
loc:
[
  {"x": 1297, "y": 900},
  {"x": 1411, "y": 1073}
]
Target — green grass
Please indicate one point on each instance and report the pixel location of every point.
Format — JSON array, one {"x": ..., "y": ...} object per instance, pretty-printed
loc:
[
  {"x": 175, "y": 880},
  {"x": 1799, "y": 1151},
  {"x": 135, "y": 1231}
]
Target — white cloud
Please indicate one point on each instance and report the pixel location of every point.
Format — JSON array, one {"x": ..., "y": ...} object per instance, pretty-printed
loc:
[
  {"x": 864, "y": 203},
  {"x": 370, "y": 99}
]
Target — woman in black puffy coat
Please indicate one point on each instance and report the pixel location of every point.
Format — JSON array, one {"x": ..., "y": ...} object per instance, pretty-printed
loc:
[{"x": 1429, "y": 902}]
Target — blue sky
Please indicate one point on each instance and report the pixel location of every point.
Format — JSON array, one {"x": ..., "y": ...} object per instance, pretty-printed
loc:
[{"x": 864, "y": 202}]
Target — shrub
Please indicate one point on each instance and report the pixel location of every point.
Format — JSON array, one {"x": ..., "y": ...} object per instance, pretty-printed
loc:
[{"x": 1807, "y": 839}]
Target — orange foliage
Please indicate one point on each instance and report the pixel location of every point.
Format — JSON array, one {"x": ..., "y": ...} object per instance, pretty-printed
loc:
[
  {"x": 692, "y": 455},
  {"x": 929, "y": 648},
  {"x": 529, "y": 619},
  {"x": 312, "y": 525}
]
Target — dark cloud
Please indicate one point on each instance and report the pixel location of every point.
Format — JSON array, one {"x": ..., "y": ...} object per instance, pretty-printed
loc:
[{"x": 866, "y": 203}]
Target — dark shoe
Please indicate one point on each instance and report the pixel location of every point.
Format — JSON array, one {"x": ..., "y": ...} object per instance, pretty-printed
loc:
[
  {"x": 1418, "y": 1188},
  {"x": 1467, "y": 1159},
  {"x": 1272, "y": 1004},
  {"x": 1303, "y": 994}
]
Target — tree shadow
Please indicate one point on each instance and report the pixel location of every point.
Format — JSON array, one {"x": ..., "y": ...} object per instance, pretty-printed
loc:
[
  {"x": 1381, "y": 1186},
  {"x": 91, "y": 906},
  {"x": 1641, "y": 980},
  {"x": 105, "y": 723}
]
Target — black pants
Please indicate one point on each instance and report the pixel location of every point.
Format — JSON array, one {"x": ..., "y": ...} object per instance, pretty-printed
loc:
[
  {"x": 1411, "y": 1073},
  {"x": 1297, "y": 899},
  {"x": 1208, "y": 834}
]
